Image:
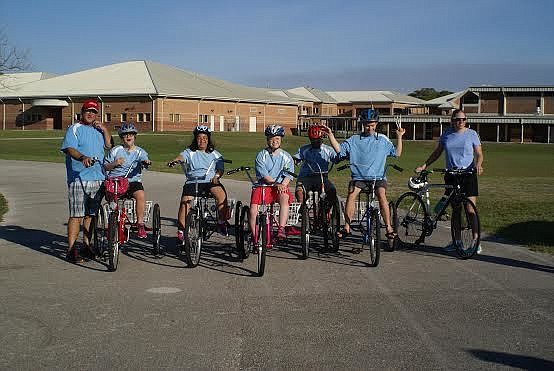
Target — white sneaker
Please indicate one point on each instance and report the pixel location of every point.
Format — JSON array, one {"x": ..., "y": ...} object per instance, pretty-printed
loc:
[{"x": 479, "y": 250}]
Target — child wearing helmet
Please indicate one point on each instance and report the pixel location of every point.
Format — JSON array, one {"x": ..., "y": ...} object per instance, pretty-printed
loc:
[
  {"x": 368, "y": 152},
  {"x": 316, "y": 158},
  {"x": 270, "y": 163},
  {"x": 127, "y": 160},
  {"x": 200, "y": 161}
]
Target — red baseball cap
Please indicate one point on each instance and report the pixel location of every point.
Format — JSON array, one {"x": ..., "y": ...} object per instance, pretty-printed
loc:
[{"x": 90, "y": 104}]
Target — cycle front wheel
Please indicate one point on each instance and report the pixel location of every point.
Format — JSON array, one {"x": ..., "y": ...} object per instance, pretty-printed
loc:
[
  {"x": 156, "y": 229},
  {"x": 264, "y": 230},
  {"x": 410, "y": 215},
  {"x": 465, "y": 228},
  {"x": 193, "y": 239},
  {"x": 305, "y": 232},
  {"x": 245, "y": 235},
  {"x": 113, "y": 242},
  {"x": 374, "y": 241},
  {"x": 99, "y": 233}
]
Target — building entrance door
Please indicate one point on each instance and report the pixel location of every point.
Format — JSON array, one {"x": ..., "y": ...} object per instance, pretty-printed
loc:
[{"x": 252, "y": 124}]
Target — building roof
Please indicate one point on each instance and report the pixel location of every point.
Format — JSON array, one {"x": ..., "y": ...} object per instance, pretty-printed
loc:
[
  {"x": 312, "y": 94},
  {"x": 446, "y": 100},
  {"x": 15, "y": 79},
  {"x": 374, "y": 96},
  {"x": 141, "y": 78},
  {"x": 512, "y": 88}
]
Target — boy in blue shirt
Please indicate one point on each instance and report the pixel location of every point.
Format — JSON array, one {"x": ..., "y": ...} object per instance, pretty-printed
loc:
[
  {"x": 368, "y": 154},
  {"x": 126, "y": 160}
]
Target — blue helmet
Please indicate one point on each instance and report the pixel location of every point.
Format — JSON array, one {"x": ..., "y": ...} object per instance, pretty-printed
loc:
[
  {"x": 274, "y": 131},
  {"x": 369, "y": 115},
  {"x": 127, "y": 127},
  {"x": 202, "y": 129}
]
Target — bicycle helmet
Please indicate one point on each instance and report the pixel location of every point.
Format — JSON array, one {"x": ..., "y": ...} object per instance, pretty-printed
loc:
[
  {"x": 127, "y": 127},
  {"x": 315, "y": 132},
  {"x": 90, "y": 104},
  {"x": 415, "y": 183},
  {"x": 202, "y": 129},
  {"x": 369, "y": 115},
  {"x": 274, "y": 131}
]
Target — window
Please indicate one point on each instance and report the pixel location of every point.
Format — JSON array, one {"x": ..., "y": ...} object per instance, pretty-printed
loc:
[
  {"x": 147, "y": 117},
  {"x": 202, "y": 119},
  {"x": 36, "y": 117},
  {"x": 123, "y": 117},
  {"x": 107, "y": 117},
  {"x": 253, "y": 109},
  {"x": 281, "y": 110},
  {"x": 78, "y": 117},
  {"x": 174, "y": 117},
  {"x": 316, "y": 110},
  {"x": 140, "y": 117}
]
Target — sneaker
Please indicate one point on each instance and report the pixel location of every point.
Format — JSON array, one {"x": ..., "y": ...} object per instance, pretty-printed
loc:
[
  {"x": 479, "y": 250},
  {"x": 141, "y": 232},
  {"x": 180, "y": 235},
  {"x": 223, "y": 228},
  {"x": 452, "y": 246},
  {"x": 73, "y": 256}
]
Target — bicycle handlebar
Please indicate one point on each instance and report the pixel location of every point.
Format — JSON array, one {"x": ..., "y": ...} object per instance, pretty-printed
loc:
[
  {"x": 394, "y": 166},
  {"x": 242, "y": 168}
]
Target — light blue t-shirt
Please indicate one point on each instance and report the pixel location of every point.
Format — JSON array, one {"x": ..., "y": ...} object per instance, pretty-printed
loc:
[
  {"x": 201, "y": 165},
  {"x": 368, "y": 155},
  {"x": 458, "y": 148},
  {"x": 314, "y": 156},
  {"x": 132, "y": 165},
  {"x": 90, "y": 142},
  {"x": 272, "y": 164}
]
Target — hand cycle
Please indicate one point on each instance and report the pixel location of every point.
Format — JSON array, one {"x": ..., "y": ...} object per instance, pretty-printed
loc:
[
  {"x": 200, "y": 222},
  {"x": 262, "y": 238},
  {"x": 319, "y": 214},
  {"x": 114, "y": 222},
  {"x": 415, "y": 220},
  {"x": 369, "y": 223}
]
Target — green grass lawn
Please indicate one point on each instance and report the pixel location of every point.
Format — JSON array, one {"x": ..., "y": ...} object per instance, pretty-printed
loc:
[{"x": 516, "y": 190}]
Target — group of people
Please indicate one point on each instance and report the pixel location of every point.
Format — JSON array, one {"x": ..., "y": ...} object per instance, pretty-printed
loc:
[{"x": 86, "y": 141}]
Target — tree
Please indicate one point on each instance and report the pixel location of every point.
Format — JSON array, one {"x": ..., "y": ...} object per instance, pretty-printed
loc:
[
  {"x": 428, "y": 93},
  {"x": 11, "y": 59}
]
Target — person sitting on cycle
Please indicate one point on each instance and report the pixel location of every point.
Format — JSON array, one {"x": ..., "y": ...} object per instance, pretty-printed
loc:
[
  {"x": 316, "y": 157},
  {"x": 126, "y": 160},
  {"x": 368, "y": 154},
  {"x": 270, "y": 163},
  {"x": 202, "y": 163}
]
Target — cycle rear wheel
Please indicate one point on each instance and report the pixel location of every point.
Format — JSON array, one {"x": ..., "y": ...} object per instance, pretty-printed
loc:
[
  {"x": 99, "y": 233},
  {"x": 156, "y": 229},
  {"x": 374, "y": 241},
  {"x": 238, "y": 229},
  {"x": 264, "y": 231},
  {"x": 465, "y": 228},
  {"x": 193, "y": 238},
  {"x": 305, "y": 232},
  {"x": 410, "y": 215},
  {"x": 390, "y": 245},
  {"x": 113, "y": 242},
  {"x": 332, "y": 227},
  {"x": 245, "y": 235}
]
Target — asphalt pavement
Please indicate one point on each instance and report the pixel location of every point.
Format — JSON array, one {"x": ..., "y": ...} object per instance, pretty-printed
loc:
[{"x": 419, "y": 309}]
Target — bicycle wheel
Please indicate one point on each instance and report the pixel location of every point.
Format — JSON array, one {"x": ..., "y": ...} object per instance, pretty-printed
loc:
[
  {"x": 113, "y": 242},
  {"x": 99, "y": 233},
  {"x": 193, "y": 238},
  {"x": 410, "y": 219},
  {"x": 374, "y": 241},
  {"x": 305, "y": 232},
  {"x": 263, "y": 230},
  {"x": 243, "y": 230},
  {"x": 391, "y": 245},
  {"x": 238, "y": 230},
  {"x": 156, "y": 229},
  {"x": 332, "y": 227},
  {"x": 465, "y": 228}
]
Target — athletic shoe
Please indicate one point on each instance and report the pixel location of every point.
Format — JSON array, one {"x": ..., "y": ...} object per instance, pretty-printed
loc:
[
  {"x": 141, "y": 232},
  {"x": 451, "y": 246},
  {"x": 223, "y": 228}
]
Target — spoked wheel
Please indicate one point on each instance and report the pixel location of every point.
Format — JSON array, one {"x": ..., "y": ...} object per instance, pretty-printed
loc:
[
  {"x": 113, "y": 242},
  {"x": 263, "y": 234},
  {"x": 374, "y": 239},
  {"x": 390, "y": 245},
  {"x": 99, "y": 233},
  {"x": 156, "y": 229},
  {"x": 333, "y": 227},
  {"x": 305, "y": 232},
  {"x": 465, "y": 228},
  {"x": 410, "y": 218},
  {"x": 245, "y": 235},
  {"x": 238, "y": 230},
  {"x": 193, "y": 239}
]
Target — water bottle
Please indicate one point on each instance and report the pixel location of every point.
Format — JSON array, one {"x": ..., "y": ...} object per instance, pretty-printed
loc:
[{"x": 440, "y": 204}]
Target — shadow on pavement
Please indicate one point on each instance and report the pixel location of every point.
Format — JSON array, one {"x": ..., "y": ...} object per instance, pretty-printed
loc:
[
  {"x": 512, "y": 360},
  {"x": 540, "y": 230}
]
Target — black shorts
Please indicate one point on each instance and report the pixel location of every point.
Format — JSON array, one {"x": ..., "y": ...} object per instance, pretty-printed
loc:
[
  {"x": 468, "y": 184},
  {"x": 364, "y": 185},
  {"x": 203, "y": 189},
  {"x": 133, "y": 187}
]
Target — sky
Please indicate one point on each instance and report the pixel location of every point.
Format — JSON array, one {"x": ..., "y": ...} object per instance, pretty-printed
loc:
[{"x": 397, "y": 45}]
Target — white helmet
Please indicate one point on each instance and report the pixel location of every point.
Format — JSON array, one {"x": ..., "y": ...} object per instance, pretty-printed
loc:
[{"x": 415, "y": 183}]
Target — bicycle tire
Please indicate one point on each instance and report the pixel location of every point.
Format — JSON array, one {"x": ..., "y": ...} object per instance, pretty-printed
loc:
[
  {"x": 156, "y": 230},
  {"x": 411, "y": 215},
  {"x": 334, "y": 226},
  {"x": 113, "y": 242},
  {"x": 391, "y": 245},
  {"x": 238, "y": 229},
  {"x": 193, "y": 238},
  {"x": 305, "y": 232},
  {"x": 374, "y": 242},
  {"x": 466, "y": 245},
  {"x": 98, "y": 233},
  {"x": 244, "y": 232},
  {"x": 264, "y": 231}
]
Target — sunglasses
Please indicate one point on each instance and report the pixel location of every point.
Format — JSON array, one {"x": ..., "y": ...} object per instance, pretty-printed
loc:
[
  {"x": 91, "y": 111},
  {"x": 459, "y": 119}
]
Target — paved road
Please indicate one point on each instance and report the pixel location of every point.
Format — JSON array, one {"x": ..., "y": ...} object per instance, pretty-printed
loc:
[{"x": 420, "y": 309}]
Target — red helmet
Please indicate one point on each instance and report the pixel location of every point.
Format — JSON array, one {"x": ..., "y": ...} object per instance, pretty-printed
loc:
[
  {"x": 315, "y": 132},
  {"x": 90, "y": 104}
]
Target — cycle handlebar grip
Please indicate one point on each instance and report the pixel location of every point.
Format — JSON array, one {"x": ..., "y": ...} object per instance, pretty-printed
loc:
[
  {"x": 290, "y": 173},
  {"x": 228, "y": 161},
  {"x": 232, "y": 171}
]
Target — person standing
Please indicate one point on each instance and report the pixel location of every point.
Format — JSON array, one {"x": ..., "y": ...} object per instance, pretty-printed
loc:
[{"x": 84, "y": 144}]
